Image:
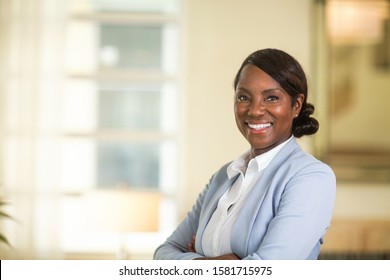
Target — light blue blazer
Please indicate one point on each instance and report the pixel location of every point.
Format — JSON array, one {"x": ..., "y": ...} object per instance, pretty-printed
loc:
[{"x": 286, "y": 215}]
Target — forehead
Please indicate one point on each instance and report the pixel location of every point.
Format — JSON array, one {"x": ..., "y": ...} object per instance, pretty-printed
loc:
[{"x": 253, "y": 77}]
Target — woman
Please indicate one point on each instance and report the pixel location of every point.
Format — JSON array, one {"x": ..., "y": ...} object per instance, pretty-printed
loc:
[{"x": 275, "y": 201}]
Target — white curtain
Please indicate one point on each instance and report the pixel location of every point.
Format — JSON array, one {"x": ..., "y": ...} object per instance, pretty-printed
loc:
[{"x": 31, "y": 84}]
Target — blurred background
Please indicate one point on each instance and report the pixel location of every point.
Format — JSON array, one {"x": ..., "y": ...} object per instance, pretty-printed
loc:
[{"x": 114, "y": 114}]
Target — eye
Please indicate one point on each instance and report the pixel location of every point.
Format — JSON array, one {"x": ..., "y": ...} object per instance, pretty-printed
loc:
[
  {"x": 272, "y": 98},
  {"x": 241, "y": 98}
]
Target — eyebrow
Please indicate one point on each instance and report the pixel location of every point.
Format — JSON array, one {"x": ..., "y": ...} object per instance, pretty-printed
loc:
[
  {"x": 266, "y": 91},
  {"x": 273, "y": 89}
]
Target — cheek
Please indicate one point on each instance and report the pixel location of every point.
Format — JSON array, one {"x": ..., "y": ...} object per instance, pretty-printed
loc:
[
  {"x": 239, "y": 113},
  {"x": 285, "y": 114},
  {"x": 240, "y": 109}
]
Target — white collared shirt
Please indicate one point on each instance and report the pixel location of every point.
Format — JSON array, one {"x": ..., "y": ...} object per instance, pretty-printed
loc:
[{"x": 216, "y": 237}]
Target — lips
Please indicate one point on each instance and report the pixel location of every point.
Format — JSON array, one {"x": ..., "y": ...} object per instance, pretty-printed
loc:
[{"x": 259, "y": 126}]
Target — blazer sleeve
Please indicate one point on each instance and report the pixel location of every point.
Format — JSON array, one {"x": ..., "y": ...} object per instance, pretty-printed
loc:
[
  {"x": 175, "y": 247},
  {"x": 302, "y": 216}
]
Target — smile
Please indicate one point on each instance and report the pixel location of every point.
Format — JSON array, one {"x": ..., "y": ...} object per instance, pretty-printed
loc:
[{"x": 259, "y": 126}]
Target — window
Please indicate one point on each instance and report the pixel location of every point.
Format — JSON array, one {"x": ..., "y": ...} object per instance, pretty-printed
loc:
[
  {"x": 97, "y": 109},
  {"x": 126, "y": 93}
]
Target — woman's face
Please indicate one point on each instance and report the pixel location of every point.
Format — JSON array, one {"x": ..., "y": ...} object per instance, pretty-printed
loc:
[{"x": 263, "y": 110}]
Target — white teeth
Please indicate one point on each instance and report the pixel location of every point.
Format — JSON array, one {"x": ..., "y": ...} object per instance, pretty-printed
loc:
[{"x": 259, "y": 126}]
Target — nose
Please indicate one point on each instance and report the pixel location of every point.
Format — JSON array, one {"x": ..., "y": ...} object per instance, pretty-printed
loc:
[{"x": 256, "y": 109}]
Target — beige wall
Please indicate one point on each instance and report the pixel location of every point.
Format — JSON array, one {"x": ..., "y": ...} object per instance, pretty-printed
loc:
[
  {"x": 218, "y": 35},
  {"x": 362, "y": 201}
]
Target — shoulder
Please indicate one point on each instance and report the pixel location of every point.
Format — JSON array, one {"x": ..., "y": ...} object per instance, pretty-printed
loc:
[
  {"x": 293, "y": 160},
  {"x": 300, "y": 175}
]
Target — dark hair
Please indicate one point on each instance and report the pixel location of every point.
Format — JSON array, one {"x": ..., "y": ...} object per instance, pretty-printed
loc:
[{"x": 287, "y": 71}]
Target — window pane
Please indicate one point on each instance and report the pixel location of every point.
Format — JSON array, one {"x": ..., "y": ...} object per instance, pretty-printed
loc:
[
  {"x": 89, "y": 106},
  {"x": 151, "y": 6},
  {"x": 131, "y": 107},
  {"x": 130, "y": 47},
  {"x": 131, "y": 164}
]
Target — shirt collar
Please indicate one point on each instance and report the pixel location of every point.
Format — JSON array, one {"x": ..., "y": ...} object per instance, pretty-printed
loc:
[{"x": 240, "y": 164}]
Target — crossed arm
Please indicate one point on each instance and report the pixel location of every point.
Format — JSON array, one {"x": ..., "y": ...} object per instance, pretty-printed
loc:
[{"x": 191, "y": 248}]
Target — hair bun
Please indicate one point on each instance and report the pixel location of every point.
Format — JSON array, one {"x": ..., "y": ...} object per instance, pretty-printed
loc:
[
  {"x": 304, "y": 124},
  {"x": 308, "y": 110}
]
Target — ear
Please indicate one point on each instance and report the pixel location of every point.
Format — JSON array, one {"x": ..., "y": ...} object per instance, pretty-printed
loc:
[{"x": 298, "y": 104}]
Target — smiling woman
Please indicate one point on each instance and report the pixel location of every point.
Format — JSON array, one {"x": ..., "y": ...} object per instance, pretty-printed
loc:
[{"x": 274, "y": 201}]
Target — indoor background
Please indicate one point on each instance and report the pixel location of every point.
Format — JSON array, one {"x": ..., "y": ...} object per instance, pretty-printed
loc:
[{"x": 115, "y": 114}]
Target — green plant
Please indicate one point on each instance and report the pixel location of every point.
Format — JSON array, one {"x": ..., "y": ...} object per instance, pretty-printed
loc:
[{"x": 3, "y": 238}]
